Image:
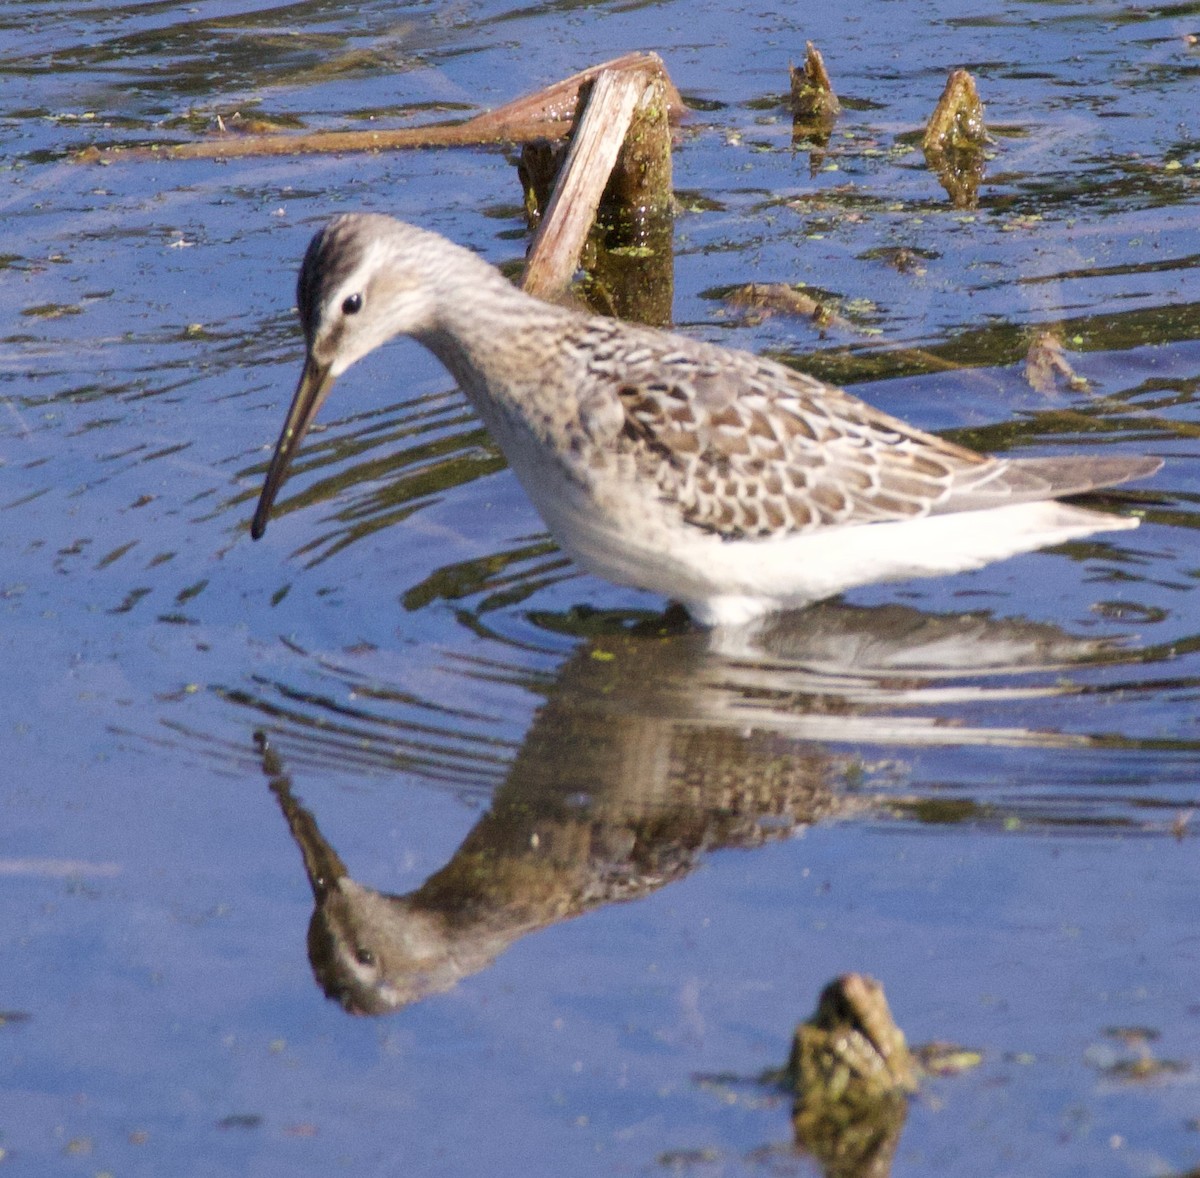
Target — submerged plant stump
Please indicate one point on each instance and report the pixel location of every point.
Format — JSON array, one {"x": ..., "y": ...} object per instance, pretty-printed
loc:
[
  {"x": 851, "y": 1074},
  {"x": 815, "y": 106},
  {"x": 955, "y": 138},
  {"x": 1046, "y": 363},
  {"x": 813, "y": 99},
  {"x": 957, "y": 121}
]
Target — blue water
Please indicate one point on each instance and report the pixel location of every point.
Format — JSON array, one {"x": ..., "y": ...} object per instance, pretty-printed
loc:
[{"x": 1000, "y": 828}]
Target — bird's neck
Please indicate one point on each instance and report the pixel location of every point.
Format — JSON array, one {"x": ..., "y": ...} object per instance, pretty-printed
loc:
[{"x": 497, "y": 342}]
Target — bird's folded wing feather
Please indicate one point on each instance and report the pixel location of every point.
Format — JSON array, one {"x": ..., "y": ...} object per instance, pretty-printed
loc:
[{"x": 745, "y": 447}]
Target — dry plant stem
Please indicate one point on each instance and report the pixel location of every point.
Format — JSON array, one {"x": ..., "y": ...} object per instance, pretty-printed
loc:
[
  {"x": 546, "y": 114},
  {"x": 473, "y": 133},
  {"x": 632, "y": 267},
  {"x": 581, "y": 182}
]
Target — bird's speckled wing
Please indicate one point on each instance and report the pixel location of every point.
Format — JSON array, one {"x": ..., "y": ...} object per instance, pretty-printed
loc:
[{"x": 745, "y": 447}]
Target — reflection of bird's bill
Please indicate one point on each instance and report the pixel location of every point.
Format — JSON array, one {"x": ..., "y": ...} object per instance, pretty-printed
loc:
[{"x": 315, "y": 382}]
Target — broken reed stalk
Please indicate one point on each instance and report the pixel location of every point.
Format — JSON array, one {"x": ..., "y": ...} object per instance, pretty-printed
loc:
[
  {"x": 624, "y": 120},
  {"x": 547, "y": 114}
]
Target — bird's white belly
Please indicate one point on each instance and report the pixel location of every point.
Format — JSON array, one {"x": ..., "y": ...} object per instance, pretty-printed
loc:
[{"x": 625, "y": 533}]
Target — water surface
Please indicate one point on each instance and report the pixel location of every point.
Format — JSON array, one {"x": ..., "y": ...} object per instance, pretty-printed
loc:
[{"x": 977, "y": 789}]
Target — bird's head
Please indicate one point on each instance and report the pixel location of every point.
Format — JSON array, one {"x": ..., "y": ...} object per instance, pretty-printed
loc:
[{"x": 365, "y": 278}]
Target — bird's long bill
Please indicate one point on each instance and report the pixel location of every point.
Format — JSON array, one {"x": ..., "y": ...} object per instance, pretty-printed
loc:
[{"x": 314, "y": 386}]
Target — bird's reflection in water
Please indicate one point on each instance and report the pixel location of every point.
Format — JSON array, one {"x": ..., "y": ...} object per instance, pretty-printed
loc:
[{"x": 649, "y": 751}]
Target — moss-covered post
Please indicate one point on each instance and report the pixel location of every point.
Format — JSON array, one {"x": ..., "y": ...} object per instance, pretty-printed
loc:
[
  {"x": 632, "y": 270},
  {"x": 611, "y": 198}
]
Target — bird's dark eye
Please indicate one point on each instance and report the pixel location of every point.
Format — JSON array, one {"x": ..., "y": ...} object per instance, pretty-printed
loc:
[
  {"x": 352, "y": 304},
  {"x": 364, "y": 956}
]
